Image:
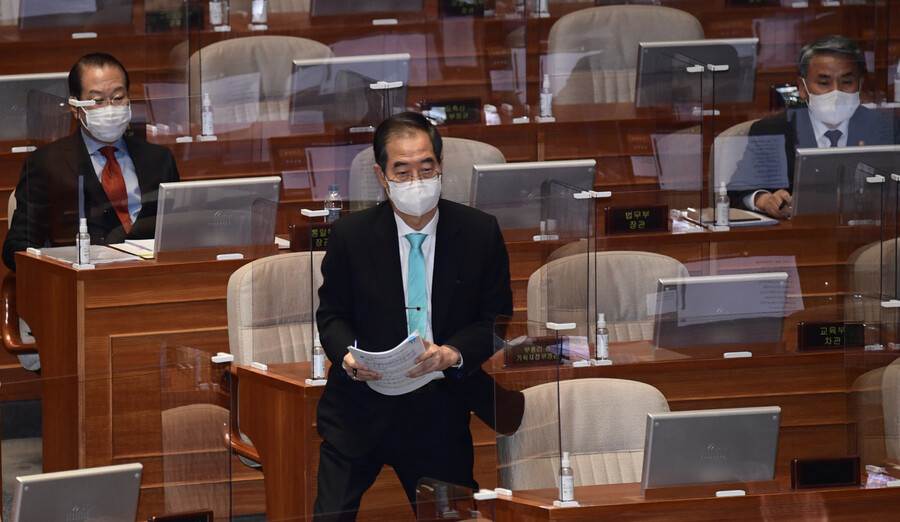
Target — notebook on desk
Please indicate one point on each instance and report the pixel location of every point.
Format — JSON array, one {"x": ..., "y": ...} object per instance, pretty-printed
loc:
[
  {"x": 102, "y": 493},
  {"x": 736, "y": 217},
  {"x": 710, "y": 446}
]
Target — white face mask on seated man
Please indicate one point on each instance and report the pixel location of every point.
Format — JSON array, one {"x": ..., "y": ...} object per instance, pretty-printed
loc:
[
  {"x": 106, "y": 124},
  {"x": 833, "y": 107}
]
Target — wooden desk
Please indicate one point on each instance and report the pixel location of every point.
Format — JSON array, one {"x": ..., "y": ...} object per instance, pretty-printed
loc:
[
  {"x": 100, "y": 332},
  {"x": 624, "y": 502},
  {"x": 278, "y": 413}
]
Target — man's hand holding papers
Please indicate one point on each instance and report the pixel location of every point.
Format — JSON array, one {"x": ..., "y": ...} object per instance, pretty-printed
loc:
[{"x": 394, "y": 366}]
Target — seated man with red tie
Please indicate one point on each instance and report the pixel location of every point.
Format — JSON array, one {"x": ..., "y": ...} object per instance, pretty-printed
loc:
[
  {"x": 120, "y": 173},
  {"x": 830, "y": 78}
]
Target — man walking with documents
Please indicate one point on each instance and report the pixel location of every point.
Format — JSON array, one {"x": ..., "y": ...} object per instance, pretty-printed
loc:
[{"x": 415, "y": 263}]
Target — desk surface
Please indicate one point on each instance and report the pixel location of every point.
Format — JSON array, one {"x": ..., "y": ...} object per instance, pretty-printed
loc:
[{"x": 624, "y": 501}]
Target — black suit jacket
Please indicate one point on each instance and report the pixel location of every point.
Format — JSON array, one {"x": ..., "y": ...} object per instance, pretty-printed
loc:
[
  {"x": 47, "y": 196},
  {"x": 361, "y": 299},
  {"x": 867, "y": 127}
]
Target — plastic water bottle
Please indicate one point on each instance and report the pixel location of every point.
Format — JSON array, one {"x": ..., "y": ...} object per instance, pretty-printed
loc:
[
  {"x": 83, "y": 243},
  {"x": 259, "y": 12},
  {"x": 333, "y": 204},
  {"x": 546, "y": 98},
  {"x": 602, "y": 342},
  {"x": 566, "y": 480},
  {"x": 722, "y": 206},
  {"x": 318, "y": 362},
  {"x": 207, "y": 128}
]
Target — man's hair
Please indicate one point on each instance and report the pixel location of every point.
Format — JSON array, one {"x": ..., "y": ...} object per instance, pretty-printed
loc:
[
  {"x": 403, "y": 124},
  {"x": 99, "y": 60},
  {"x": 833, "y": 44}
]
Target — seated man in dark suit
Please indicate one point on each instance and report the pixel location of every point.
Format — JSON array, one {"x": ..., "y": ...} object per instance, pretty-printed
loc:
[
  {"x": 369, "y": 296},
  {"x": 831, "y": 71},
  {"x": 119, "y": 201},
  {"x": 120, "y": 173}
]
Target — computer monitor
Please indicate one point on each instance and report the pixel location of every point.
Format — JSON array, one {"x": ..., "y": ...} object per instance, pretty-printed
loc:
[
  {"x": 832, "y": 181},
  {"x": 34, "y": 14},
  {"x": 340, "y": 92},
  {"x": 720, "y": 310},
  {"x": 516, "y": 193},
  {"x": 663, "y": 77},
  {"x": 216, "y": 213},
  {"x": 14, "y": 92},
  {"x": 710, "y": 446},
  {"x": 102, "y": 493}
]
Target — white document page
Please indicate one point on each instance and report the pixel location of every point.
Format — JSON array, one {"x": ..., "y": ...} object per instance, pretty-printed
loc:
[{"x": 394, "y": 364}]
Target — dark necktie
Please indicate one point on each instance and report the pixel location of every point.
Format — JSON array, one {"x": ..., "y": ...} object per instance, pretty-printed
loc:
[
  {"x": 833, "y": 136},
  {"x": 114, "y": 185},
  {"x": 417, "y": 293}
]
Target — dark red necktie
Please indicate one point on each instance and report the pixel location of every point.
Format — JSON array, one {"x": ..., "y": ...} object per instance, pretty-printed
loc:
[{"x": 114, "y": 185}]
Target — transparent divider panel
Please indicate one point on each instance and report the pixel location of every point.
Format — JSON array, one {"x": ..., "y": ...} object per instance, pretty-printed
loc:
[
  {"x": 537, "y": 365},
  {"x": 871, "y": 314},
  {"x": 195, "y": 409}
]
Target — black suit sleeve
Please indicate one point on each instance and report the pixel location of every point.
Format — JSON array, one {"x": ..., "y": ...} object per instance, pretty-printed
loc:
[{"x": 475, "y": 340}]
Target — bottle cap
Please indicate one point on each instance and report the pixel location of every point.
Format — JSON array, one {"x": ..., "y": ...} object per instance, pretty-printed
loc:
[
  {"x": 546, "y": 84},
  {"x": 565, "y": 459},
  {"x": 82, "y": 226},
  {"x": 333, "y": 188},
  {"x": 723, "y": 190},
  {"x": 601, "y": 320}
]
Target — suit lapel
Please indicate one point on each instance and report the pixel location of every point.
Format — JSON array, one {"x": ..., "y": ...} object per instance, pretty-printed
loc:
[
  {"x": 385, "y": 259},
  {"x": 449, "y": 253}
]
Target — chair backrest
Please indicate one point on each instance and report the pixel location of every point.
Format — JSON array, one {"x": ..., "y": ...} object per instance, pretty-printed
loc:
[
  {"x": 603, "y": 427},
  {"x": 592, "y": 53},
  {"x": 562, "y": 290},
  {"x": 728, "y": 149},
  {"x": 456, "y": 182},
  {"x": 875, "y": 400},
  {"x": 271, "y": 313},
  {"x": 267, "y": 58},
  {"x": 873, "y": 277}
]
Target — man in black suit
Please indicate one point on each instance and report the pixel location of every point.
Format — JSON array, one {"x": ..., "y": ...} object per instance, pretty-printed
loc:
[
  {"x": 119, "y": 201},
  {"x": 364, "y": 301},
  {"x": 830, "y": 78}
]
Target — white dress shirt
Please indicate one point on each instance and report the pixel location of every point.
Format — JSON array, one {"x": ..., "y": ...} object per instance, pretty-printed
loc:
[
  {"x": 132, "y": 187},
  {"x": 428, "y": 251}
]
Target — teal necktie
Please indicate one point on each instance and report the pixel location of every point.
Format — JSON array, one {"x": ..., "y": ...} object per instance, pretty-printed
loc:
[{"x": 417, "y": 300}]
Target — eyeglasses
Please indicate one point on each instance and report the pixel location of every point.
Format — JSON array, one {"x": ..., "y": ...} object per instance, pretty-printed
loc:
[
  {"x": 409, "y": 175},
  {"x": 96, "y": 103}
]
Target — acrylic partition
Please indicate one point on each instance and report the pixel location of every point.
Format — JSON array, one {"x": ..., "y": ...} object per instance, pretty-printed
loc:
[
  {"x": 659, "y": 111},
  {"x": 196, "y": 428}
]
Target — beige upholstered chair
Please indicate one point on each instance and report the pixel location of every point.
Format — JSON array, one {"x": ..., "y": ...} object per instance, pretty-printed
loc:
[
  {"x": 196, "y": 457},
  {"x": 253, "y": 63},
  {"x": 17, "y": 338},
  {"x": 728, "y": 149},
  {"x": 562, "y": 290},
  {"x": 873, "y": 277},
  {"x": 271, "y": 318},
  {"x": 459, "y": 156},
  {"x": 592, "y": 53},
  {"x": 271, "y": 308},
  {"x": 875, "y": 400},
  {"x": 603, "y": 425}
]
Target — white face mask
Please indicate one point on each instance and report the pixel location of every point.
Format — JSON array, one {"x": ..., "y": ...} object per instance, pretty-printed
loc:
[
  {"x": 415, "y": 198},
  {"x": 834, "y": 107},
  {"x": 107, "y": 124}
]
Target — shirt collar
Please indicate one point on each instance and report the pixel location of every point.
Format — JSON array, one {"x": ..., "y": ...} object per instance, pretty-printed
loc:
[
  {"x": 429, "y": 229},
  {"x": 820, "y": 128},
  {"x": 94, "y": 145}
]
